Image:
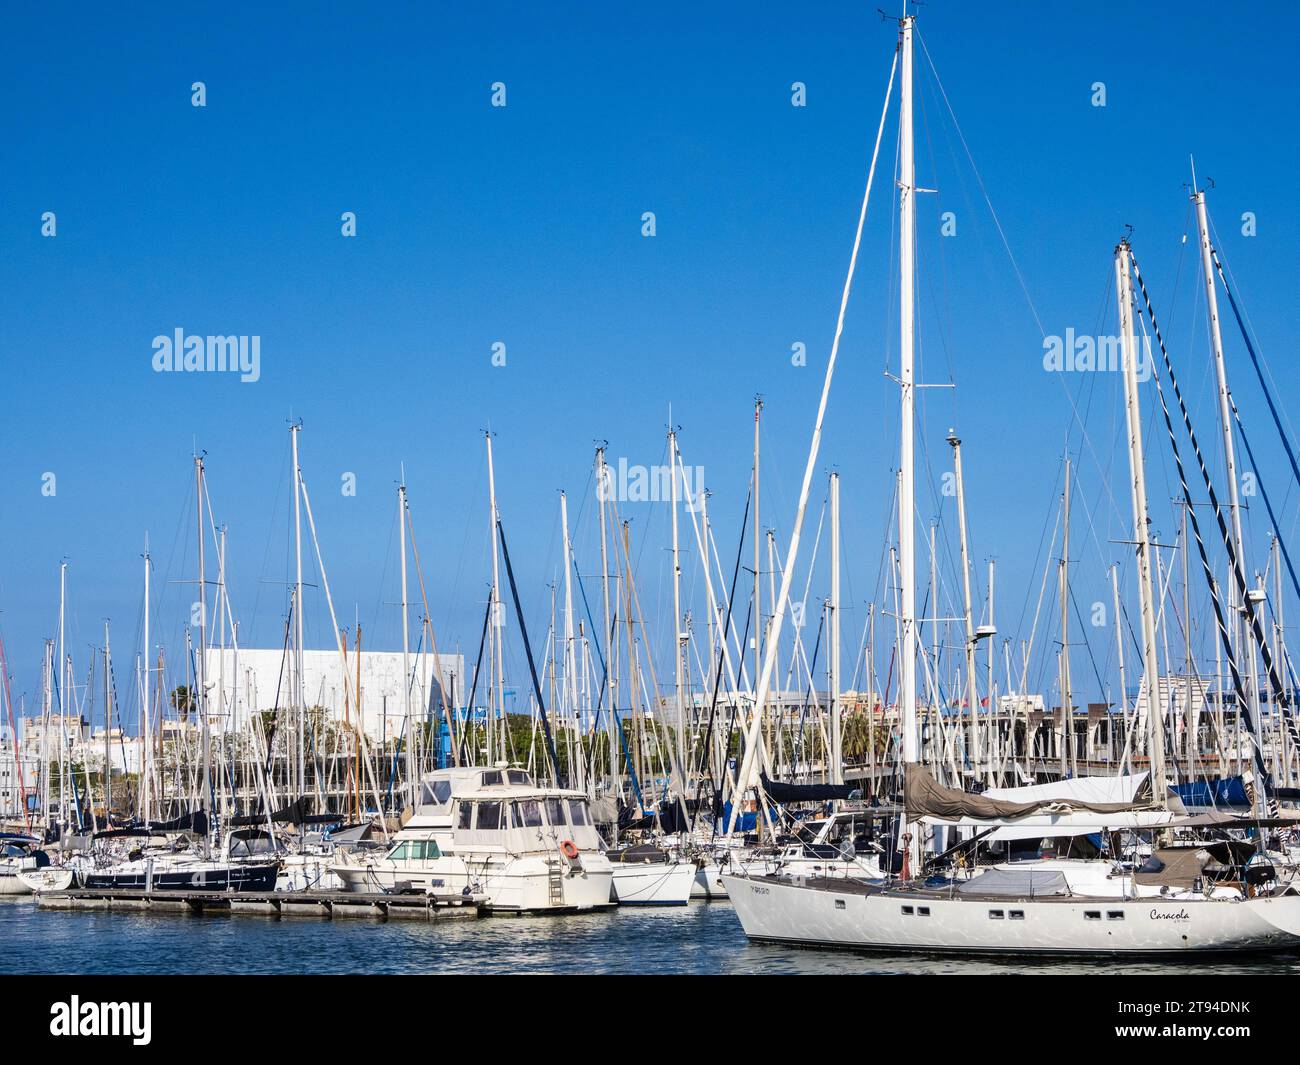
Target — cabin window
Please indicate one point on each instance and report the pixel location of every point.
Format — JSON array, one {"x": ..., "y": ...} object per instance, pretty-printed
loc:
[
  {"x": 839, "y": 904},
  {"x": 555, "y": 812},
  {"x": 1114, "y": 915},
  {"x": 491, "y": 778},
  {"x": 1092, "y": 915},
  {"x": 577, "y": 812},
  {"x": 1016, "y": 915},
  {"x": 528, "y": 814},
  {"x": 924, "y": 911},
  {"x": 518, "y": 776},
  {"x": 463, "y": 816},
  {"x": 435, "y": 792},
  {"x": 908, "y": 911},
  {"x": 489, "y": 815},
  {"x": 398, "y": 853},
  {"x": 996, "y": 915}
]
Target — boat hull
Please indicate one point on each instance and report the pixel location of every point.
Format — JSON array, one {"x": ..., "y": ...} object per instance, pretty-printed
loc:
[
  {"x": 654, "y": 883},
  {"x": 829, "y": 915},
  {"x": 11, "y": 884},
  {"x": 51, "y": 878},
  {"x": 195, "y": 878},
  {"x": 508, "y": 884},
  {"x": 708, "y": 882}
]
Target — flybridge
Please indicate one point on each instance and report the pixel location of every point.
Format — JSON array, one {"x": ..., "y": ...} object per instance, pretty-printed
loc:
[{"x": 210, "y": 354}]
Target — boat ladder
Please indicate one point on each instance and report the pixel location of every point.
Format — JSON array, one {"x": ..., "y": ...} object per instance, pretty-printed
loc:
[{"x": 555, "y": 881}]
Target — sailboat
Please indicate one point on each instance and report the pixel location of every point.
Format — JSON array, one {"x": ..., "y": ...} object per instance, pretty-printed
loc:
[{"x": 1028, "y": 911}]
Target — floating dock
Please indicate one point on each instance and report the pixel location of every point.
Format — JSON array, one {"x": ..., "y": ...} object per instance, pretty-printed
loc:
[{"x": 327, "y": 905}]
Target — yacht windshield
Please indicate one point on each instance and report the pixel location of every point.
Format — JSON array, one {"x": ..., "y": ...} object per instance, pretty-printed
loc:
[
  {"x": 435, "y": 793},
  {"x": 489, "y": 815}
]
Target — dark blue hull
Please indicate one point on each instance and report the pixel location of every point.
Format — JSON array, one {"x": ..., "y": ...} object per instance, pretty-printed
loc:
[{"x": 210, "y": 878}]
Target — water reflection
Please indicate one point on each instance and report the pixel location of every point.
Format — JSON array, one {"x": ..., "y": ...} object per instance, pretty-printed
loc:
[{"x": 700, "y": 938}]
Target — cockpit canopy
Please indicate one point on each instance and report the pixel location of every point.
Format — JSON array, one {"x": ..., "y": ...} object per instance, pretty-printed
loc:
[{"x": 437, "y": 788}]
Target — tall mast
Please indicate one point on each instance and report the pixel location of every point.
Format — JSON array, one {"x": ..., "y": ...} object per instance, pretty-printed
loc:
[
  {"x": 1229, "y": 452},
  {"x": 201, "y": 695},
  {"x": 299, "y": 700},
  {"x": 606, "y": 637},
  {"x": 570, "y": 659},
  {"x": 907, "y": 485},
  {"x": 146, "y": 741},
  {"x": 108, "y": 725},
  {"x": 758, "y": 598},
  {"x": 971, "y": 694},
  {"x": 837, "y": 736},
  {"x": 47, "y": 682},
  {"x": 406, "y": 640},
  {"x": 994, "y": 729},
  {"x": 497, "y": 709},
  {"x": 63, "y": 691},
  {"x": 1067, "y": 693},
  {"x": 1141, "y": 535},
  {"x": 679, "y": 634}
]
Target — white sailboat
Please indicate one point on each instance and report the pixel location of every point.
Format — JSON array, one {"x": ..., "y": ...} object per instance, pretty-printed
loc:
[{"x": 1025, "y": 911}]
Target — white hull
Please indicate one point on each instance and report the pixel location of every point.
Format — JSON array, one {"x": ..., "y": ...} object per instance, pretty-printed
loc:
[
  {"x": 653, "y": 883},
  {"x": 52, "y": 878},
  {"x": 308, "y": 872},
  {"x": 708, "y": 882},
  {"x": 10, "y": 884},
  {"x": 507, "y": 883},
  {"x": 821, "y": 915}
]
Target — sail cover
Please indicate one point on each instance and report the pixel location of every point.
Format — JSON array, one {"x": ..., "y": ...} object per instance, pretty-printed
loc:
[
  {"x": 926, "y": 797},
  {"x": 1220, "y": 792},
  {"x": 778, "y": 791}
]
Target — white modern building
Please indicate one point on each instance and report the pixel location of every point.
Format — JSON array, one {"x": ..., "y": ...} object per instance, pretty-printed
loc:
[{"x": 255, "y": 680}]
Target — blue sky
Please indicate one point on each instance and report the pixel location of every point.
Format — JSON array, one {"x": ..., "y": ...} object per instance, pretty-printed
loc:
[{"x": 523, "y": 225}]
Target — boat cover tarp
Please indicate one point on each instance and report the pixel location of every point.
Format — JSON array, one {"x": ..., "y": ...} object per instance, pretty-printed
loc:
[
  {"x": 926, "y": 797},
  {"x": 1128, "y": 790},
  {"x": 604, "y": 811},
  {"x": 196, "y": 821},
  {"x": 779, "y": 791},
  {"x": 1173, "y": 866},
  {"x": 1225, "y": 791},
  {"x": 352, "y": 833},
  {"x": 1017, "y": 883},
  {"x": 1084, "y": 823}
]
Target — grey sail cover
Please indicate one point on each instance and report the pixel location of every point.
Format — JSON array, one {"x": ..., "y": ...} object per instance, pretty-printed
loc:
[
  {"x": 926, "y": 797},
  {"x": 1016, "y": 883}
]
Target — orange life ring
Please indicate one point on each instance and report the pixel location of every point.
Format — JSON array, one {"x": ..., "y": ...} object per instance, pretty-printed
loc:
[{"x": 569, "y": 849}]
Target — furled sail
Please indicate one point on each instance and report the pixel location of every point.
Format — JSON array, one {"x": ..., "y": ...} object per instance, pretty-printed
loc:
[
  {"x": 926, "y": 797},
  {"x": 779, "y": 791}
]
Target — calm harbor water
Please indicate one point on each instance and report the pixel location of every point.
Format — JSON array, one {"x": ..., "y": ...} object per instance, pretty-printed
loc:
[{"x": 701, "y": 938}]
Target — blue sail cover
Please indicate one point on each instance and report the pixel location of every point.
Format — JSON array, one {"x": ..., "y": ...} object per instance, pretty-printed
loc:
[{"x": 1226, "y": 791}]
